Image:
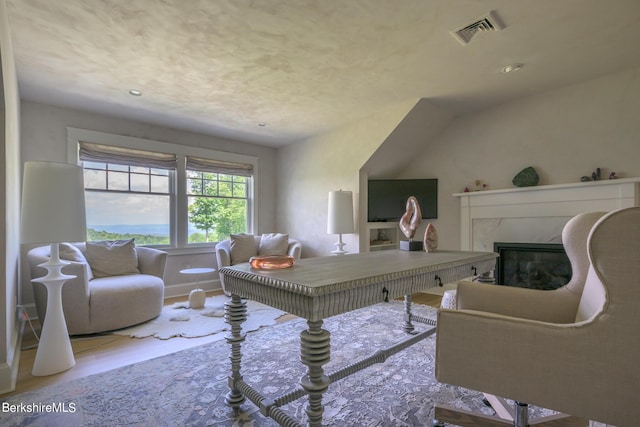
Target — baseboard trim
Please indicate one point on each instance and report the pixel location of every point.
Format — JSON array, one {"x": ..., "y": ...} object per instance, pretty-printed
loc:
[
  {"x": 9, "y": 369},
  {"x": 183, "y": 289}
]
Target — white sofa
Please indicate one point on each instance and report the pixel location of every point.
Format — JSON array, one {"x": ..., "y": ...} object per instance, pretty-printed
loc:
[{"x": 99, "y": 304}]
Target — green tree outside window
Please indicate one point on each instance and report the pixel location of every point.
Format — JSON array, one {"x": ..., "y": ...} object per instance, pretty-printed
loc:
[{"x": 219, "y": 206}]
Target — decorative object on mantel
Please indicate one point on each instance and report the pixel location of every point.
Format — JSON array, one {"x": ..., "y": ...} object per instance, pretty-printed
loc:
[
  {"x": 340, "y": 220},
  {"x": 479, "y": 186},
  {"x": 409, "y": 223},
  {"x": 430, "y": 242},
  {"x": 271, "y": 262},
  {"x": 527, "y": 177},
  {"x": 597, "y": 175}
]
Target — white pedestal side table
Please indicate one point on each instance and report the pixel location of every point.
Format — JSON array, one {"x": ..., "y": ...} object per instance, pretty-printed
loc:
[{"x": 197, "y": 296}]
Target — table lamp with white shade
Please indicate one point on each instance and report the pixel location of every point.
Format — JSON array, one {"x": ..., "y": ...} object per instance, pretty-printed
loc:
[
  {"x": 53, "y": 211},
  {"x": 340, "y": 219}
]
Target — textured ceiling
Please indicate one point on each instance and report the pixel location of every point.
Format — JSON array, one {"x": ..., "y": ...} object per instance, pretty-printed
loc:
[{"x": 305, "y": 66}]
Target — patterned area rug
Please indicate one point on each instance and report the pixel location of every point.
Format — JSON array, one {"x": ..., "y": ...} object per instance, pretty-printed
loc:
[
  {"x": 179, "y": 320},
  {"x": 188, "y": 388}
]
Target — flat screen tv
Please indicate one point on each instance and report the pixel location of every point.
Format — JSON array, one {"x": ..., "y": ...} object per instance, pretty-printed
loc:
[{"x": 388, "y": 198}]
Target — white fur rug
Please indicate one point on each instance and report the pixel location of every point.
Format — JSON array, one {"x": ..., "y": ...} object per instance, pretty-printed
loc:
[{"x": 181, "y": 321}]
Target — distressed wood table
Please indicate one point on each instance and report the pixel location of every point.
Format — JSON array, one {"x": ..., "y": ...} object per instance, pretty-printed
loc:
[{"x": 318, "y": 288}]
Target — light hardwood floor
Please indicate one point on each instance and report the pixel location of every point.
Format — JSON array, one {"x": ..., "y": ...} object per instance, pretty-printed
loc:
[{"x": 103, "y": 352}]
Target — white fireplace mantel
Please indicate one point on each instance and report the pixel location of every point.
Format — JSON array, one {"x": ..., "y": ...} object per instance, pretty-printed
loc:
[{"x": 537, "y": 214}]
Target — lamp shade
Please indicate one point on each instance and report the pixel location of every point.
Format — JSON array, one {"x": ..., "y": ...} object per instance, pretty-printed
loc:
[
  {"x": 340, "y": 212},
  {"x": 53, "y": 203}
]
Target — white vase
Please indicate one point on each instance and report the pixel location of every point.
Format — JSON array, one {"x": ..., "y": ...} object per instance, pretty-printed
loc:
[{"x": 197, "y": 298}]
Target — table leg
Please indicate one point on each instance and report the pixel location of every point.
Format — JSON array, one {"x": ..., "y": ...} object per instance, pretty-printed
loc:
[
  {"x": 315, "y": 351},
  {"x": 235, "y": 312},
  {"x": 407, "y": 326}
]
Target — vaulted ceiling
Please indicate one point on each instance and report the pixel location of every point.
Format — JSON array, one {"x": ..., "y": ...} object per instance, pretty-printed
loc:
[{"x": 303, "y": 67}]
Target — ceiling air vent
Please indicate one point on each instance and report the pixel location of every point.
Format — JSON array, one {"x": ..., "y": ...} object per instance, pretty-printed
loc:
[{"x": 490, "y": 22}]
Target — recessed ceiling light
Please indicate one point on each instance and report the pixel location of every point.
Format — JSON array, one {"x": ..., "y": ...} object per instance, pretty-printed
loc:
[
  {"x": 135, "y": 92},
  {"x": 262, "y": 124},
  {"x": 512, "y": 67}
]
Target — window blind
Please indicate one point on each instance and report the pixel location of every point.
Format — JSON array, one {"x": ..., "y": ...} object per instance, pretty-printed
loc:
[
  {"x": 92, "y": 152},
  {"x": 219, "y": 166}
]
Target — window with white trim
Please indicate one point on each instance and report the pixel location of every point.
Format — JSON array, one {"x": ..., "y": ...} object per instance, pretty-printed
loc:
[
  {"x": 125, "y": 202},
  {"x": 177, "y": 196},
  {"x": 218, "y": 198},
  {"x": 128, "y": 193}
]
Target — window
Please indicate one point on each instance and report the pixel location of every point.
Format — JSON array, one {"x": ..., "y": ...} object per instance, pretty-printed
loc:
[
  {"x": 126, "y": 202},
  {"x": 218, "y": 196},
  {"x": 217, "y": 206},
  {"x": 160, "y": 193}
]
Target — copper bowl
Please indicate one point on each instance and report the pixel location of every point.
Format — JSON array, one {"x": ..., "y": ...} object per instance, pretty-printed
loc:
[{"x": 271, "y": 262}]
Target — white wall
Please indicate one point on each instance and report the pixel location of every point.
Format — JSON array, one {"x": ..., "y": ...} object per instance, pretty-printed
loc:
[
  {"x": 44, "y": 137},
  {"x": 10, "y": 207},
  {"x": 564, "y": 134},
  {"x": 309, "y": 170}
]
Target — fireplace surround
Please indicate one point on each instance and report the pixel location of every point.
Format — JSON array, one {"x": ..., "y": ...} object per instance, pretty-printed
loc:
[
  {"x": 543, "y": 266},
  {"x": 536, "y": 214}
]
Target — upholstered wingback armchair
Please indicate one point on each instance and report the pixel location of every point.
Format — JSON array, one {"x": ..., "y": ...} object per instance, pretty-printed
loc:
[
  {"x": 573, "y": 350},
  {"x": 241, "y": 247},
  {"x": 96, "y": 304}
]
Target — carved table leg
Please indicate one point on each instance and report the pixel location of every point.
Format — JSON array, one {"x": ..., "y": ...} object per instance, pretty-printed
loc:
[
  {"x": 235, "y": 312},
  {"x": 407, "y": 326},
  {"x": 315, "y": 351}
]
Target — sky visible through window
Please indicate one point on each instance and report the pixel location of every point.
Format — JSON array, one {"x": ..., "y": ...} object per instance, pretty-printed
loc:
[
  {"x": 125, "y": 209},
  {"x": 127, "y": 201}
]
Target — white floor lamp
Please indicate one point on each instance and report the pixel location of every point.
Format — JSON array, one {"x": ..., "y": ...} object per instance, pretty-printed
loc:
[
  {"x": 340, "y": 219},
  {"x": 53, "y": 211}
]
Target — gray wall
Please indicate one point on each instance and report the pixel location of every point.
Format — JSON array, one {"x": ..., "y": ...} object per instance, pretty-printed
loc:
[
  {"x": 564, "y": 134},
  {"x": 309, "y": 170},
  {"x": 10, "y": 207}
]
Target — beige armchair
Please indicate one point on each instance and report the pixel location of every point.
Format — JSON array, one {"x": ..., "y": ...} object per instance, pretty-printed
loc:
[
  {"x": 239, "y": 248},
  {"x": 574, "y": 350},
  {"x": 98, "y": 304}
]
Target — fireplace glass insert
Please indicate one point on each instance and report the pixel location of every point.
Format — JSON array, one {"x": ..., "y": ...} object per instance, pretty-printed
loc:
[{"x": 532, "y": 265}]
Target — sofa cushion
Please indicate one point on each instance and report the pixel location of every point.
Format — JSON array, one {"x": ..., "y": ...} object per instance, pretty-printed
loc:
[
  {"x": 121, "y": 301},
  {"x": 242, "y": 247},
  {"x": 112, "y": 257},
  {"x": 70, "y": 252},
  {"x": 273, "y": 244}
]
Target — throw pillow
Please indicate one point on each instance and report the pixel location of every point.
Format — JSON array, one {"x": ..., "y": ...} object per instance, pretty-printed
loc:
[
  {"x": 112, "y": 258},
  {"x": 243, "y": 246},
  {"x": 273, "y": 244},
  {"x": 72, "y": 253}
]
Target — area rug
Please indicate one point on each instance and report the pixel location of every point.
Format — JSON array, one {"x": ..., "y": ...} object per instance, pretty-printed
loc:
[
  {"x": 188, "y": 388},
  {"x": 179, "y": 320}
]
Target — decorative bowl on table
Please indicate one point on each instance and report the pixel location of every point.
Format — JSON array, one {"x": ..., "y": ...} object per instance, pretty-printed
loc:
[{"x": 271, "y": 262}]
